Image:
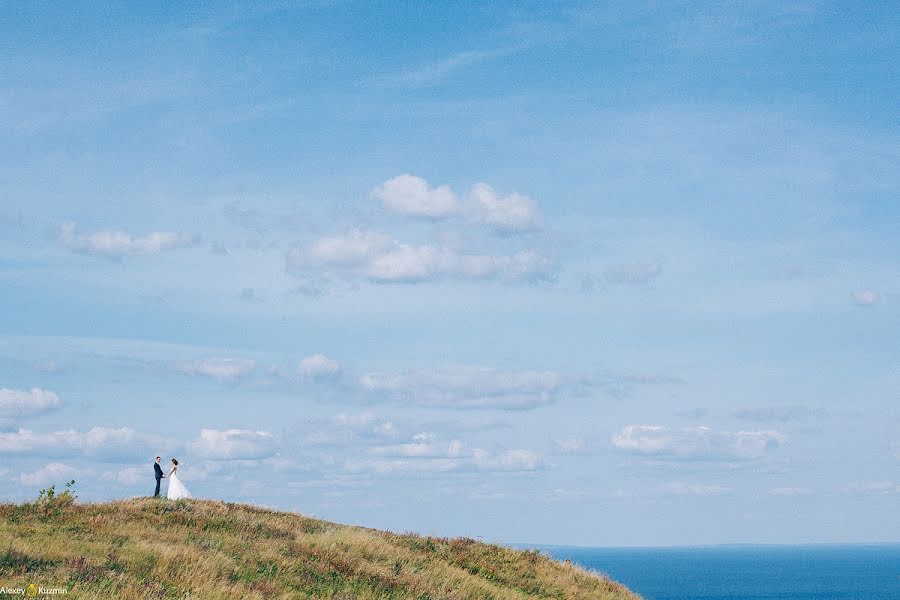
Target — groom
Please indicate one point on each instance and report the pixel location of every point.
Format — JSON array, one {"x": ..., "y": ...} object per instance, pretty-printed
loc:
[{"x": 157, "y": 470}]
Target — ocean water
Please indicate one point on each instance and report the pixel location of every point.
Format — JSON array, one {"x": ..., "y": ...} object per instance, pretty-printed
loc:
[{"x": 813, "y": 572}]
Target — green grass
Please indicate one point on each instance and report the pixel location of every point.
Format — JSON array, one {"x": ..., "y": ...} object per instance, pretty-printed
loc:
[{"x": 155, "y": 548}]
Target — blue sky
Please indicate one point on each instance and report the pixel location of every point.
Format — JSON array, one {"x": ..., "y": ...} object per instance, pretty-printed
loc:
[{"x": 563, "y": 273}]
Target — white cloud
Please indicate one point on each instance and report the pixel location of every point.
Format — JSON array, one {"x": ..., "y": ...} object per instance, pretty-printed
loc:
[
  {"x": 16, "y": 403},
  {"x": 116, "y": 244},
  {"x": 468, "y": 387},
  {"x": 513, "y": 212},
  {"x": 413, "y": 196},
  {"x": 425, "y": 454},
  {"x": 231, "y": 444},
  {"x": 52, "y": 473},
  {"x": 634, "y": 273},
  {"x": 356, "y": 248},
  {"x": 695, "y": 443},
  {"x": 381, "y": 258},
  {"x": 411, "y": 450},
  {"x": 866, "y": 297},
  {"x": 223, "y": 369},
  {"x": 101, "y": 442},
  {"x": 318, "y": 365}
]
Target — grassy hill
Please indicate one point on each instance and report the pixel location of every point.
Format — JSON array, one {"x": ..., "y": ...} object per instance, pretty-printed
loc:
[{"x": 150, "y": 548}]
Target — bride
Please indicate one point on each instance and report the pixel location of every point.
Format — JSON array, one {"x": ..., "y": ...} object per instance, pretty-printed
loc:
[{"x": 176, "y": 488}]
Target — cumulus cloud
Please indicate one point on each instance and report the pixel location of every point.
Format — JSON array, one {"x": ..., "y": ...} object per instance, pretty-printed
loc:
[
  {"x": 101, "y": 442},
  {"x": 695, "y": 443},
  {"x": 865, "y": 297},
  {"x": 116, "y": 243},
  {"x": 411, "y": 195},
  {"x": 234, "y": 444},
  {"x": 513, "y": 212},
  {"x": 380, "y": 258},
  {"x": 223, "y": 369},
  {"x": 52, "y": 473},
  {"x": 414, "y": 196},
  {"x": 18, "y": 403},
  {"x": 633, "y": 273},
  {"x": 469, "y": 387},
  {"x": 318, "y": 365}
]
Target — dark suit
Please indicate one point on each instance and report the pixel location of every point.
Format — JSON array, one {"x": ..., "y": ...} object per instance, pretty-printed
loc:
[{"x": 159, "y": 475}]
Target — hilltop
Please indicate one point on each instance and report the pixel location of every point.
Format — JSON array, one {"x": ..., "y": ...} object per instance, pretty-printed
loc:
[{"x": 151, "y": 548}]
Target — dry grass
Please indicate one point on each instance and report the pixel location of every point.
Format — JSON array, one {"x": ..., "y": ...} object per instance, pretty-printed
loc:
[{"x": 152, "y": 548}]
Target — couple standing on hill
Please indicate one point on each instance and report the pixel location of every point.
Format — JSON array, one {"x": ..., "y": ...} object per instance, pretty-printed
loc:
[{"x": 176, "y": 488}]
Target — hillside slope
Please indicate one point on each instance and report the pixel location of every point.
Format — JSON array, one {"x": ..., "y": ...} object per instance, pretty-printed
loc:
[{"x": 146, "y": 548}]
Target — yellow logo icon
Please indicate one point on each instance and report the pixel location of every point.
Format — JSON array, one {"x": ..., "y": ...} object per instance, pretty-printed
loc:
[{"x": 32, "y": 590}]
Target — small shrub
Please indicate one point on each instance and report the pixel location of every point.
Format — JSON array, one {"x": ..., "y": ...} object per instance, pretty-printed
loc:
[{"x": 52, "y": 504}]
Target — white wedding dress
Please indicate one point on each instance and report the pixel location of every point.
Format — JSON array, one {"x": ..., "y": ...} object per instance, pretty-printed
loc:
[{"x": 176, "y": 488}]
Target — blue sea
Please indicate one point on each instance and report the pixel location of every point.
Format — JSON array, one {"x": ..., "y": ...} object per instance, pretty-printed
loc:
[{"x": 820, "y": 572}]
